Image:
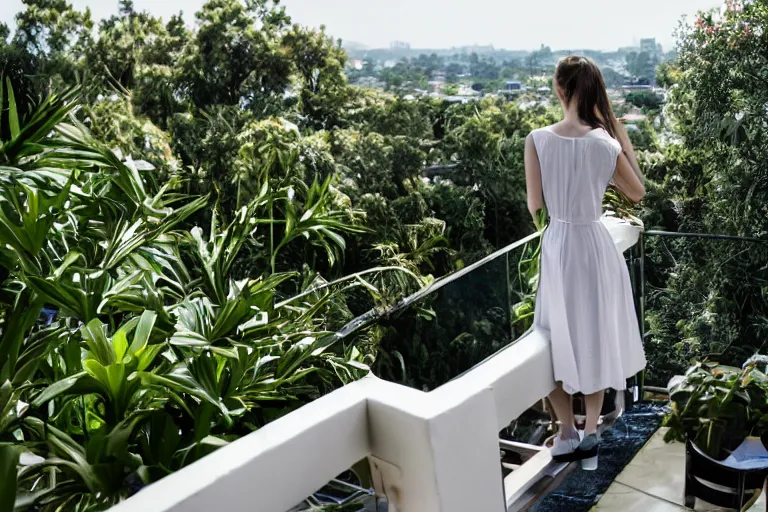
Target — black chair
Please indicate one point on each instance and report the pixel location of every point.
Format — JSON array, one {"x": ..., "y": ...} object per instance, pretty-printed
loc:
[{"x": 735, "y": 488}]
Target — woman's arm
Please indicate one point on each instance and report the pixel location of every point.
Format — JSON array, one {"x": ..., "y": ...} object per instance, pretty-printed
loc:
[
  {"x": 627, "y": 180},
  {"x": 626, "y": 147},
  {"x": 533, "y": 181},
  {"x": 627, "y": 175}
]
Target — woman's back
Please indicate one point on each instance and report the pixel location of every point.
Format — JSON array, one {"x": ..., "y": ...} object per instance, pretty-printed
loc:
[
  {"x": 575, "y": 172},
  {"x": 585, "y": 300}
]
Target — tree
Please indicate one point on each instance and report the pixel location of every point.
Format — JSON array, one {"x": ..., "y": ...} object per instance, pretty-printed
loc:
[
  {"x": 56, "y": 34},
  {"x": 319, "y": 63},
  {"x": 482, "y": 67},
  {"x": 667, "y": 74},
  {"x": 612, "y": 77},
  {"x": 644, "y": 99},
  {"x": 131, "y": 42},
  {"x": 641, "y": 65},
  {"x": 232, "y": 58},
  {"x": 710, "y": 298},
  {"x": 142, "y": 370},
  {"x": 537, "y": 59}
]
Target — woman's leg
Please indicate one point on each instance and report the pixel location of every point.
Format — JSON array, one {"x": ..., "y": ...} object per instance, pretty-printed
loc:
[
  {"x": 562, "y": 403},
  {"x": 594, "y": 404}
]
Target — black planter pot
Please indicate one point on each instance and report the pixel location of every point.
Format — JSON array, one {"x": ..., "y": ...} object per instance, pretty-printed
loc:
[{"x": 735, "y": 488}]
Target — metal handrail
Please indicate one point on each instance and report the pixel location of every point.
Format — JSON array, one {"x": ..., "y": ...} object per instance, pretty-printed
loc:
[
  {"x": 637, "y": 261},
  {"x": 707, "y": 236},
  {"x": 377, "y": 313}
]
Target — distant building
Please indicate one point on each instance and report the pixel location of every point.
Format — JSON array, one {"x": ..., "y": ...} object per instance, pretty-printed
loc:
[
  {"x": 399, "y": 45},
  {"x": 648, "y": 45},
  {"x": 633, "y": 118},
  {"x": 370, "y": 82},
  {"x": 467, "y": 91},
  {"x": 459, "y": 99},
  {"x": 356, "y": 64},
  {"x": 644, "y": 63},
  {"x": 511, "y": 88},
  {"x": 626, "y": 89},
  {"x": 480, "y": 49}
]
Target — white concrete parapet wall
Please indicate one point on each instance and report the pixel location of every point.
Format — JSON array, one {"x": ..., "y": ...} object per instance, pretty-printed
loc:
[{"x": 444, "y": 443}]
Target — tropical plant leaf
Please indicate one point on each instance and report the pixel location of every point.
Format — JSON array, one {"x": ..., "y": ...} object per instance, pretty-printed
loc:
[
  {"x": 78, "y": 384},
  {"x": 9, "y": 458}
]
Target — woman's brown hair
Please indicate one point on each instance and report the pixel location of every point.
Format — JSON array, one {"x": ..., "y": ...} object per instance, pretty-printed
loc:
[{"x": 580, "y": 78}]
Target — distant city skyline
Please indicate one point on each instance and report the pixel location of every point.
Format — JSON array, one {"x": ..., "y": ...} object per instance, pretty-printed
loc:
[{"x": 510, "y": 24}]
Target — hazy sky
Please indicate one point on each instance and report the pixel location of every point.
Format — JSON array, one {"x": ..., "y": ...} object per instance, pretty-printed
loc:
[{"x": 511, "y": 24}]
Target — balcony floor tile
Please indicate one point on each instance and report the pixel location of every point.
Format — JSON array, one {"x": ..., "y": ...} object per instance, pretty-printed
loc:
[
  {"x": 653, "y": 481},
  {"x": 621, "y": 498}
]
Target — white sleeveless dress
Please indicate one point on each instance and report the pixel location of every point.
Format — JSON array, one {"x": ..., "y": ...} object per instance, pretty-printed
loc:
[{"x": 584, "y": 303}]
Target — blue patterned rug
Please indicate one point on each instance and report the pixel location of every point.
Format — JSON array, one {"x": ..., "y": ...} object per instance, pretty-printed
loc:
[{"x": 581, "y": 489}]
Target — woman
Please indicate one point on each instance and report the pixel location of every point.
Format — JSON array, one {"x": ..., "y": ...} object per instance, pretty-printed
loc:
[{"x": 584, "y": 303}]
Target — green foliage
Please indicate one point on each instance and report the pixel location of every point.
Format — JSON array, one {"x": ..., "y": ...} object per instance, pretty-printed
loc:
[
  {"x": 230, "y": 60},
  {"x": 717, "y": 406},
  {"x": 210, "y": 207},
  {"x": 641, "y": 65},
  {"x": 158, "y": 355},
  {"x": 450, "y": 90},
  {"x": 644, "y": 99},
  {"x": 643, "y": 136},
  {"x": 668, "y": 74},
  {"x": 707, "y": 297}
]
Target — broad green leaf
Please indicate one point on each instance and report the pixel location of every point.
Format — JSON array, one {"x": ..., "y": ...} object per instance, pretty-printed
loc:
[
  {"x": 120, "y": 345},
  {"x": 185, "y": 337},
  {"x": 96, "y": 339},
  {"x": 18, "y": 322},
  {"x": 9, "y": 458},
  {"x": 100, "y": 372},
  {"x": 64, "y": 296},
  {"x": 180, "y": 381},
  {"x": 13, "y": 114},
  {"x": 79, "y": 384},
  {"x": 71, "y": 258},
  {"x": 143, "y": 331},
  {"x": 148, "y": 355},
  {"x": 120, "y": 435}
]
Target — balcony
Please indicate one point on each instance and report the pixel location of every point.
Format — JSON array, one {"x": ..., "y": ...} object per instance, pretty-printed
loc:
[
  {"x": 430, "y": 445},
  {"x": 422, "y": 444}
]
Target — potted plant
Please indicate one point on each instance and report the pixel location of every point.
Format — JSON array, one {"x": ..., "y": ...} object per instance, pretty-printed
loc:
[{"x": 715, "y": 409}]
